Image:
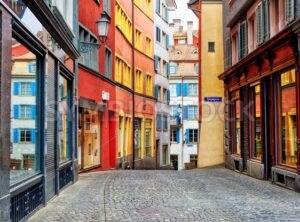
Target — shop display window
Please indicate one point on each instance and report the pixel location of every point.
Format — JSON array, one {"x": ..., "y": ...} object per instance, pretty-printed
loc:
[
  {"x": 24, "y": 152},
  {"x": 288, "y": 126},
  {"x": 255, "y": 122}
]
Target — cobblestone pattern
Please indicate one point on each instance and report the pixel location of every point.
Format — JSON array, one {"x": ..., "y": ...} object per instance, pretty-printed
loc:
[{"x": 197, "y": 195}]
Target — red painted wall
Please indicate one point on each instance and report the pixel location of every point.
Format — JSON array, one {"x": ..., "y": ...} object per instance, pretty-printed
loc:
[{"x": 90, "y": 86}]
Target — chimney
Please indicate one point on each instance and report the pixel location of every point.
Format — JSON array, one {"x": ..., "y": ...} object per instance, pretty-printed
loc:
[
  {"x": 172, "y": 30},
  {"x": 177, "y": 23},
  {"x": 190, "y": 33}
]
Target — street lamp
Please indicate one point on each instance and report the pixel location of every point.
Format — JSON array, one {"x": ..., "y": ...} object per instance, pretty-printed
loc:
[{"x": 103, "y": 26}]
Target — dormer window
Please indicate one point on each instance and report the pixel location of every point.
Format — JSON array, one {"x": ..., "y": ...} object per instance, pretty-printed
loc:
[{"x": 178, "y": 52}]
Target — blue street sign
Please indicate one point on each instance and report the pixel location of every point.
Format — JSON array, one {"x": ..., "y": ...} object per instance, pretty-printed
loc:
[{"x": 213, "y": 99}]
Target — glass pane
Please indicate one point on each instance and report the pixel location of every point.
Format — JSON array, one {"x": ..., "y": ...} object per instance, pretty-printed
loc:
[
  {"x": 256, "y": 123},
  {"x": 24, "y": 156},
  {"x": 288, "y": 147},
  {"x": 237, "y": 127},
  {"x": 63, "y": 128}
]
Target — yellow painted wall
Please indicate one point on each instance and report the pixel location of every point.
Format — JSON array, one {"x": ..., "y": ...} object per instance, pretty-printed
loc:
[{"x": 211, "y": 147}]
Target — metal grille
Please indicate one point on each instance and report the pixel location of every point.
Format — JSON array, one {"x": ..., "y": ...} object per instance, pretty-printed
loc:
[
  {"x": 23, "y": 204},
  {"x": 51, "y": 131},
  {"x": 65, "y": 177}
]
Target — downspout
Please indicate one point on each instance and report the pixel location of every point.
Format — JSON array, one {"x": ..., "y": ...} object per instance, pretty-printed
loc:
[
  {"x": 182, "y": 131},
  {"x": 133, "y": 82},
  {"x": 200, "y": 65}
]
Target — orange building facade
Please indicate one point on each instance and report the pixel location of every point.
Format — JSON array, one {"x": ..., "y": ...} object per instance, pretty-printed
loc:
[{"x": 134, "y": 77}]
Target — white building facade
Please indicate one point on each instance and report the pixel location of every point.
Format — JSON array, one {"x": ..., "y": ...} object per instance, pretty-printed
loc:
[
  {"x": 162, "y": 72},
  {"x": 184, "y": 131}
]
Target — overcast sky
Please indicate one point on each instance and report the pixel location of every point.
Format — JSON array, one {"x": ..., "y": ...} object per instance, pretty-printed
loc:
[{"x": 184, "y": 13}]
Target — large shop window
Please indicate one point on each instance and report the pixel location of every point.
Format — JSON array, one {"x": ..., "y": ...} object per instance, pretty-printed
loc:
[
  {"x": 63, "y": 123},
  {"x": 287, "y": 146},
  {"x": 236, "y": 127},
  {"x": 24, "y": 153},
  {"x": 255, "y": 122}
]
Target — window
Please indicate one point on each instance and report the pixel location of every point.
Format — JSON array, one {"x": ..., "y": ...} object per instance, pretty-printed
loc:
[
  {"x": 173, "y": 90},
  {"x": 287, "y": 119},
  {"x": 123, "y": 22},
  {"x": 175, "y": 135},
  {"x": 262, "y": 19},
  {"x": 148, "y": 46},
  {"x": 149, "y": 8},
  {"x": 108, "y": 63},
  {"x": 26, "y": 88},
  {"x": 165, "y": 97},
  {"x": 242, "y": 38},
  {"x": 23, "y": 132},
  {"x": 149, "y": 85},
  {"x": 158, "y": 122},
  {"x": 165, "y": 69},
  {"x": 106, "y": 6},
  {"x": 25, "y": 111},
  {"x": 139, "y": 81},
  {"x": 192, "y": 136},
  {"x": 173, "y": 110},
  {"x": 193, "y": 112},
  {"x": 181, "y": 41},
  {"x": 148, "y": 137},
  {"x": 173, "y": 69},
  {"x": 193, "y": 89},
  {"x": 158, "y": 34},
  {"x": 237, "y": 127},
  {"x": 164, "y": 40},
  {"x": 157, "y": 6},
  {"x": 159, "y": 94},
  {"x": 211, "y": 47},
  {"x": 159, "y": 65},
  {"x": 63, "y": 122},
  {"x": 289, "y": 10},
  {"x": 25, "y": 135},
  {"x": 137, "y": 138},
  {"x": 255, "y": 122},
  {"x": 122, "y": 69},
  {"x": 165, "y": 122},
  {"x": 90, "y": 57},
  {"x": 138, "y": 39}
]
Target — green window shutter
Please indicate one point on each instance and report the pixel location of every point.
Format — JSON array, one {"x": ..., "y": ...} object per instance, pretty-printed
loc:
[
  {"x": 258, "y": 17},
  {"x": 289, "y": 10}
]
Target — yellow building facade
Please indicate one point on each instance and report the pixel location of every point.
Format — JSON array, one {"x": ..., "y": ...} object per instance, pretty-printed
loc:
[{"x": 211, "y": 146}]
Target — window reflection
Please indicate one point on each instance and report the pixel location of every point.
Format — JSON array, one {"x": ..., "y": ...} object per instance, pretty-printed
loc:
[
  {"x": 237, "y": 127},
  {"x": 63, "y": 108},
  {"x": 256, "y": 122},
  {"x": 288, "y": 118},
  {"x": 24, "y": 158}
]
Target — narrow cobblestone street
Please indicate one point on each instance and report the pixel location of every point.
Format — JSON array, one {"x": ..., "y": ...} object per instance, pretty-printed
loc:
[{"x": 198, "y": 195}]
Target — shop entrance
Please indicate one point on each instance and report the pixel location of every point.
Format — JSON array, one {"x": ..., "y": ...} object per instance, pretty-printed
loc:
[{"x": 89, "y": 136}]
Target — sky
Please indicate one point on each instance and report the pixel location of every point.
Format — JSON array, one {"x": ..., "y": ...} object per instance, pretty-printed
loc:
[{"x": 184, "y": 13}]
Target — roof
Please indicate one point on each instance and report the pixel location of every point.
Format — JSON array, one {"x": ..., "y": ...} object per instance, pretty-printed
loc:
[
  {"x": 183, "y": 53},
  {"x": 184, "y": 34}
]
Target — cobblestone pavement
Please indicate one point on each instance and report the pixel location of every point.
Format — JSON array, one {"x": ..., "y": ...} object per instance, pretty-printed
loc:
[{"x": 197, "y": 195}]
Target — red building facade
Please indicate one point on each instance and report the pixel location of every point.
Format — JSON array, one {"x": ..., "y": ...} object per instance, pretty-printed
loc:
[
  {"x": 262, "y": 88},
  {"x": 96, "y": 89}
]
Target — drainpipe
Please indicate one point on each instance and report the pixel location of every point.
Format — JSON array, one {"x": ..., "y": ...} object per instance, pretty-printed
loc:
[
  {"x": 133, "y": 82},
  {"x": 200, "y": 65},
  {"x": 182, "y": 133}
]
